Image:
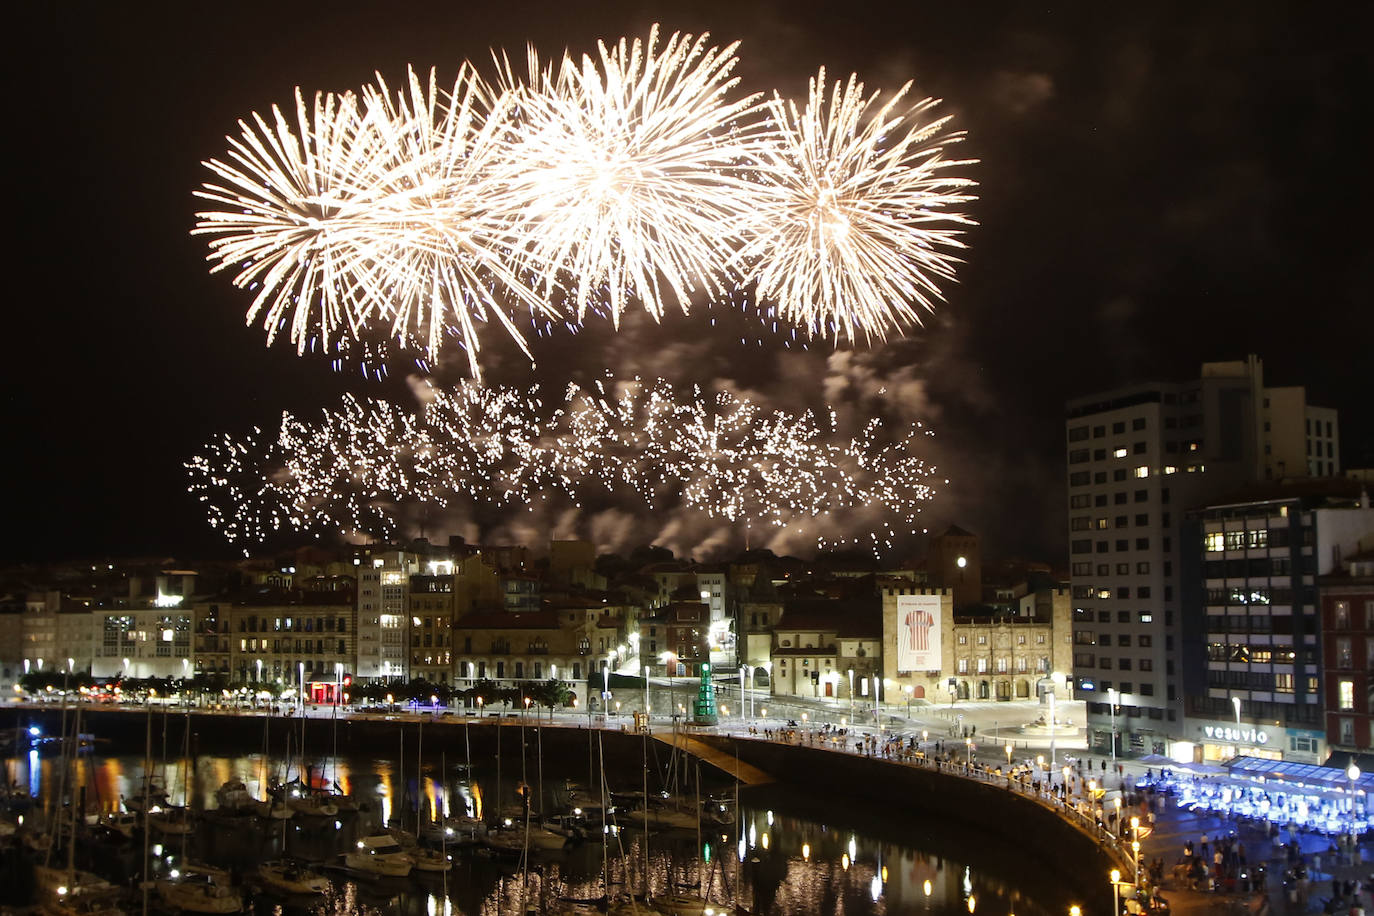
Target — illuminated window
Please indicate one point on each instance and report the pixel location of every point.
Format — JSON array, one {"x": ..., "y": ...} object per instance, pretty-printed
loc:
[
  {"x": 1142, "y": 471},
  {"x": 1119, "y": 453},
  {"x": 1346, "y": 695},
  {"x": 1215, "y": 541}
]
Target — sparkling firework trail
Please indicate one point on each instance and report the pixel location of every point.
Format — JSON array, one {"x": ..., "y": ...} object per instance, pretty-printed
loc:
[
  {"x": 634, "y": 176},
  {"x": 845, "y": 235},
  {"x": 352, "y": 470}
]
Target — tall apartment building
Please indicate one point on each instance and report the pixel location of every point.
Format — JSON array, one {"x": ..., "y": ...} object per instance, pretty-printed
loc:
[
  {"x": 1138, "y": 457},
  {"x": 1252, "y": 634},
  {"x": 384, "y": 611}
]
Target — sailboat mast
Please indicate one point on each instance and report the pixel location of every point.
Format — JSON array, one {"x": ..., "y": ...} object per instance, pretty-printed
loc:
[
  {"x": 701, "y": 878},
  {"x": 419, "y": 772},
  {"x": 147, "y": 803}
]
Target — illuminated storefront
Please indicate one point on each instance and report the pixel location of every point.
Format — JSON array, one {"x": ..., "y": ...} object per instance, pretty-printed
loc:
[{"x": 1215, "y": 742}]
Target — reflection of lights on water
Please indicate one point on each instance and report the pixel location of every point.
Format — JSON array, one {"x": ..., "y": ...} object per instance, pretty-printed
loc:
[
  {"x": 806, "y": 851},
  {"x": 972, "y": 903},
  {"x": 706, "y": 853},
  {"x": 770, "y": 818},
  {"x": 926, "y": 887},
  {"x": 968, "y": 882},
  {"x": 436, "y": 907},
  {"x": 753, "y": 835},
  {"x": 853, "y": 848},
  {"x": 844, "y": 861},
  {"x": 33, "y": 774},
  {"x": 472, "y": 794},
  {"x": 883, "y": 871},
  {"x": 741, "y": 847},
  {"x": 763, "y": 841},
  {"x": 876, "y": 887}
]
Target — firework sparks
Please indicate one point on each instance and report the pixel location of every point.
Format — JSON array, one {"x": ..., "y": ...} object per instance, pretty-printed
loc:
[
  {"x": 635, "y": 176},
  {"x": 847, "y": 234},
  {"x": 623, "y": 165},
  {"x": 354, "y": 468}
]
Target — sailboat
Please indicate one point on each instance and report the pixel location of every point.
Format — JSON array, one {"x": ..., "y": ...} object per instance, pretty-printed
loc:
[
  {"x": 431, "y": 861},
  {"x": 291, "y": 878},
  {"x": 271, "y": 806},
  {"x": 199, "y": 889},
  {"x": 68, "y": 891},
  {"x": 381, "y": 856}
]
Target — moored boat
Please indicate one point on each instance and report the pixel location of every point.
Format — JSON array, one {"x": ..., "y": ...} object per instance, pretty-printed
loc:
[
  {"x": 379, "y": 855},
  {"x": 287, "y": 877}
]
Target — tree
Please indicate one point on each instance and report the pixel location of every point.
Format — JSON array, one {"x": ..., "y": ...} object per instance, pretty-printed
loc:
[{"x": 551, "y": 694}]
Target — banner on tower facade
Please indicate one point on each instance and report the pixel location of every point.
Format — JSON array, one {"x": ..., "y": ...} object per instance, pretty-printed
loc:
[{"x": 918, "y": 632}]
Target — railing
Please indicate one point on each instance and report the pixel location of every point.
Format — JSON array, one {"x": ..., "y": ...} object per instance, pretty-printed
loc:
[{"x": 1075, "y": 811}]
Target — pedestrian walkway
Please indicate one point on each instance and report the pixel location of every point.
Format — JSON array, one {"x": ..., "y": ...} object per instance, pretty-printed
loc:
[
  {"x": 1328, "y": 865},
  {"x": 726, "y": 763}
]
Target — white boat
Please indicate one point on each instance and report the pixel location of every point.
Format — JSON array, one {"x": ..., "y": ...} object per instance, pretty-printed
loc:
[
  {"x": 511, "y": 839},
  {"x": 379, "y": 855},
  {"x": 65, "y": 892},
  {"x": 459, "y": 829},
  {"x": 172, "y": 821},
  {"x": 310, "y": 804},
  {"x": 430, "y": 860},
  {"x": 680, "y": 905},
  {"x": 199, "y": 890},
  {"x": 151, "y": 795},
  {"x": 234, "y": 795},
  {"x": 291, "y": 878}
]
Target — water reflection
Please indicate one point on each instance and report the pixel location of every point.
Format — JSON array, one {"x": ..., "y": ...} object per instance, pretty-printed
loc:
[{"x": 773, "y": 859}]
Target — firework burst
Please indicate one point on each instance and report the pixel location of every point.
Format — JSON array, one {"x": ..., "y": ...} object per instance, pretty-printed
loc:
[
  {"x": 723, "y": 456},
  {"x": 853, "y": 221},
  {"x": 633, "y": 176}
]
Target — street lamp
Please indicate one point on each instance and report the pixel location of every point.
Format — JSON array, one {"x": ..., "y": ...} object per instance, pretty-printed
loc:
[
  {"x": 1352, "y": 773},
  {"x": 1007, "y": 748},
  {"x": 1053, "y": 729},
  {"x": 669, "y": 663},
  {"x": 1135, "y": 847},
  {"x": 1111, "y": 708},
  {"x": 1116, "y": 891},
  {"x": 1235, "y": 701},
  {"x": 968, "y": 746}
]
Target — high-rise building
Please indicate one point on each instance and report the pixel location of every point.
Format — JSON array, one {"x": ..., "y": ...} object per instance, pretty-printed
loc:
[
  {"x": 384, "y": 611},
  {"x": 1138, "y": 457},
  {"x": 1252, "y": 632}
]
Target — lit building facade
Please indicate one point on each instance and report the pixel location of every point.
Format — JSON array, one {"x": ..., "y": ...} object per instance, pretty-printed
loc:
[
  {"x": 1138, "y": 458},
  {"x": 1253, "y": 635},
  {"x": 992, "y": 659},
  {"x": 1347, "y": 608}
]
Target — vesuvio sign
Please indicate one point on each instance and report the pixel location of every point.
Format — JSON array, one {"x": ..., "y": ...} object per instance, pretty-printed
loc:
[{"x": 1238, "y": 735}]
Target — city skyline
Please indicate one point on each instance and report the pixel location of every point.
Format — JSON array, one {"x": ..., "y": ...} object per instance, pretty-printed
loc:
[{"x": 1149, "y": 188}]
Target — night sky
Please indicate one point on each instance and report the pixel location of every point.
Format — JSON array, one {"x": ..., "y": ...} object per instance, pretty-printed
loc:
[{"x": 1160, "y": 185}]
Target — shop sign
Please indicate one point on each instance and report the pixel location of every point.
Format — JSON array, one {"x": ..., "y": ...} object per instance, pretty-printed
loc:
[{"x": 1236, "y": 735}]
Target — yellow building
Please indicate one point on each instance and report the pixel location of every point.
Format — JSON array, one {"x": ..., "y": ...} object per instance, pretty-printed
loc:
[{"x": 929, "y": 654}]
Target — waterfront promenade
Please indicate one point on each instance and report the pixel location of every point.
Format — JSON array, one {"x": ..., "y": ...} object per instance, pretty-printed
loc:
[{"x": 933, "y": 739}]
